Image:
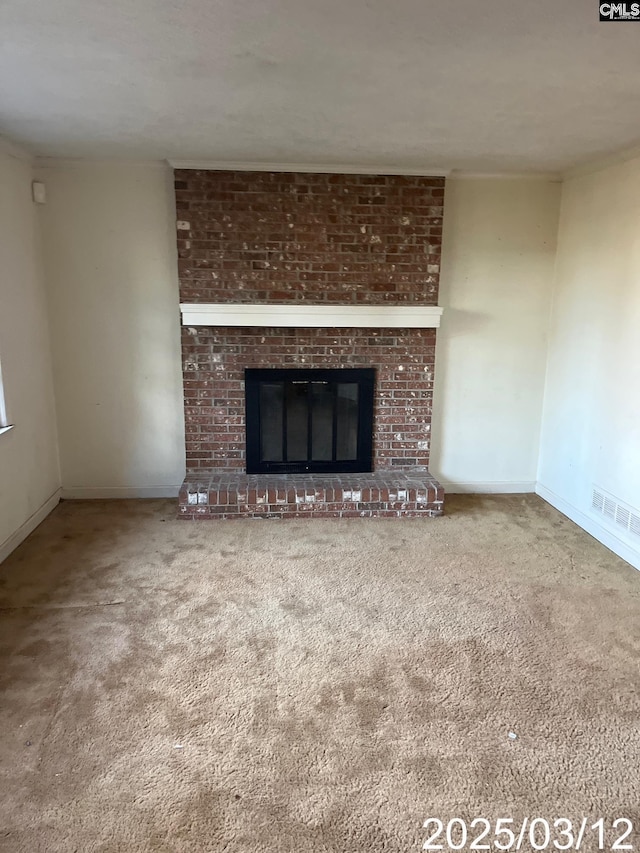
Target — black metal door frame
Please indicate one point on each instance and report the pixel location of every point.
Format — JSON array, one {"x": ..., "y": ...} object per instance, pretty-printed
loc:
[{"x": 363, "y": 377}]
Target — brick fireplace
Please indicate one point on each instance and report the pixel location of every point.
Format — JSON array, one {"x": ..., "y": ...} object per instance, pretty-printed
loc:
[{"x": 313, "y": 271}]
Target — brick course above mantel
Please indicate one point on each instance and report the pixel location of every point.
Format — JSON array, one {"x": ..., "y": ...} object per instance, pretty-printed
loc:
[{"x": 281, "y": 237}]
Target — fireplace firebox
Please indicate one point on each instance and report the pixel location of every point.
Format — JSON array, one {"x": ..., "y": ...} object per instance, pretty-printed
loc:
[{"x": 314, "y": 420}]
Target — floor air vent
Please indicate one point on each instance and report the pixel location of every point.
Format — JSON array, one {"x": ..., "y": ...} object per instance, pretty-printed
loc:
[{"x": 619, "y": 514}]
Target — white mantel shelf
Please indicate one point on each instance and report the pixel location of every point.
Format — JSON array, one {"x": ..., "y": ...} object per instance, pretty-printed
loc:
[{"x": 312, "y": 316}]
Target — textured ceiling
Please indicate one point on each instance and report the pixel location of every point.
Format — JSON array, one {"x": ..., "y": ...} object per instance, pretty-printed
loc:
[{"x": 493, "y": 86}]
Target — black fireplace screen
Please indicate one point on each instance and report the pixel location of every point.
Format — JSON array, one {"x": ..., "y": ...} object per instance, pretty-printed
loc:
[{"x": 302, "y": 421}]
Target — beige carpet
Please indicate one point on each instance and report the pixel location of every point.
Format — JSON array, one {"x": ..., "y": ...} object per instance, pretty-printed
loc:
[{"x": 311, "y": 685}]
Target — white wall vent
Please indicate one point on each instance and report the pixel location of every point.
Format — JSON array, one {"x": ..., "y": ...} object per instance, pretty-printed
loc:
[{"x": 619, "y": 514}]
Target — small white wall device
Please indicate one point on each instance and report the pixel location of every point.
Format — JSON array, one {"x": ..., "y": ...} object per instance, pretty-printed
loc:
[{"x": 39, "y": 192}]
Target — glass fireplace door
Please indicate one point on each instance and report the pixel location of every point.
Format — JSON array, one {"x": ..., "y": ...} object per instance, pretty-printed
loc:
[{"x": 302, "y": 421}]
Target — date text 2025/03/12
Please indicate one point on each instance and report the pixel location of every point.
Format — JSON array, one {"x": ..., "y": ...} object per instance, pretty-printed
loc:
[{"x": 536, "y": 833}]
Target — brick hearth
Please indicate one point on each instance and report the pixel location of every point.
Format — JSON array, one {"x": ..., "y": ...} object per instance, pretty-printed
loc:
[
  {"x": 265, "y": 238},
  {"x": 230, "y": 494}
]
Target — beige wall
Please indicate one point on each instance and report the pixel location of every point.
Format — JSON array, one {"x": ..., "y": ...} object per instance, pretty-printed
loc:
[
  {"x": 497, "y": 269},
  {"x": 29, "y": 474},
  {"x": 109, "y": 238},
  {"x": 591, "y": 422}
]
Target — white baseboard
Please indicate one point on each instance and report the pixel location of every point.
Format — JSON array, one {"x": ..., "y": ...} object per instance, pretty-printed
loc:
[
  {"x": 605, "y": 536},
  {"x": 29, "y": 526},
  {"x": 82, "y": 493},
  {"x": 495, "y": 487}
]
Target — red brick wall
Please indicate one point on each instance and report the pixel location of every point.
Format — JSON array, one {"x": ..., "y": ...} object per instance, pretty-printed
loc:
[{"x": 275, "y": 237}]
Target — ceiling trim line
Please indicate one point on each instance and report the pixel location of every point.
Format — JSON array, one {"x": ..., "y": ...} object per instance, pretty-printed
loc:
[
  {"x": 84, "y": 162},
  {"x": 311, "y": 168},
  {"x": 606, "y": 161},
  {"x": 12, "y": 150},
  {"x": 461, "y": 175}
]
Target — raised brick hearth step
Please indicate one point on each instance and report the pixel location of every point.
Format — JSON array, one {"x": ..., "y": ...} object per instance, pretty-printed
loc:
[{"x": 222, "y": 493}]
